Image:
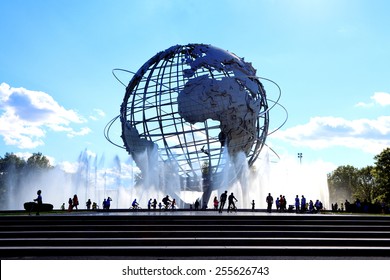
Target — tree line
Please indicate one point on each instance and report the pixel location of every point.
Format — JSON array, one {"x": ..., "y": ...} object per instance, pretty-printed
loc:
[
  {"x": 370, "y": 184},
  {"x": 13, "y": 168}
]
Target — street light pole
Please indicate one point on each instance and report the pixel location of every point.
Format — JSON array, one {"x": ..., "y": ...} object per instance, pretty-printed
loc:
[{"x": 300, "y": 158}]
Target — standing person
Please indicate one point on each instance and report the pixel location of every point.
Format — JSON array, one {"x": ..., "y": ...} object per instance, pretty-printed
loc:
[
  {"x": 173, "y": 205},
  {"x": 197, "y": 204},
  {"x": 284, "y": 203},
  {"x": 231, "y": 200},
  {"x": 154, "y": 204},
  {"x": 70, "y": 204},
  {"x": 222, "y": 201},
  {"x": 281, "y": 203},
  {"x": 253, "y": 205},
  {"x": 104, "y": 204},
  {"x": 277, "y": 203},
  {"x": 75, "y": 201},
  {"x": 297, "y": 204},
  {"x": 215, "y": 202},
  {"x": 39, "y": 201},
  {"x": 88, "y": 204},
  {"x": 303, "y": 204},
  {"x": 149, "y": 204},
  {"x": 270, "y": 201},
  {"x": 108, "y": 203},
  {"x": 311, "y": 206}
]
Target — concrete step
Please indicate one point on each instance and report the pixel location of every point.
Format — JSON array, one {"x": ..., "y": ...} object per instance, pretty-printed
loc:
[{"x": 194, "y": 235}]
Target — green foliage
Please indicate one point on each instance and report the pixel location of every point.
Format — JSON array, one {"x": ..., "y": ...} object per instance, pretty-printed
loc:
[
  {"x": 38, "y": 161},
  {"x": 382, "y": 174},
  {"x": 371, "y": 183},
  {"x": 366, "y": 188},
  {"x": 13, "y": 168},
  {"x": 341, "y": 183}
]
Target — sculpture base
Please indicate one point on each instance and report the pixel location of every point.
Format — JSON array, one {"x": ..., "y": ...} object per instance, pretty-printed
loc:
[{"x": 32, "y": 206}]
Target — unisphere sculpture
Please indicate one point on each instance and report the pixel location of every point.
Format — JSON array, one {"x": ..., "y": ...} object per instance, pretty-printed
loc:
[{"x": 189, "y": 105}]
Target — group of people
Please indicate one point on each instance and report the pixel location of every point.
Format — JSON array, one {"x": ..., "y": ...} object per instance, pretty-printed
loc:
[
  {"x": 300, "y": 205},
  {"x": 361, "y": 206},
  {"x": 222, "y": 201},
  {"x": 166, "y": 203},
  {"x": 74, "y": 203}
]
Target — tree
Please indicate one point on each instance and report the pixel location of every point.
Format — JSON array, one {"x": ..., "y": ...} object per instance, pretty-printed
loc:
[
  {"x": 38, "y": 161},
  {"x": 382, "y": 174},
  {"x": 14, "y": 170},
  {"x": 341, "y": 183},
  {"x": 11, "y": 167},
  {"x": 366, "y": 188}
]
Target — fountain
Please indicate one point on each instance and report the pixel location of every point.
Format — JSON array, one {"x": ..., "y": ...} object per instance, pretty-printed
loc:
[{"x": 93, "y": 179}]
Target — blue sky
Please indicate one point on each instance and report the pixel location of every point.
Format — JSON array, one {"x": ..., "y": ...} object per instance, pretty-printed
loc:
[{"x": 331, "y": 59}]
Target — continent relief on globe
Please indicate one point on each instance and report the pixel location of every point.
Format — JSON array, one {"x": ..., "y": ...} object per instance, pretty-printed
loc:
[{"x": 228, "y": 100}]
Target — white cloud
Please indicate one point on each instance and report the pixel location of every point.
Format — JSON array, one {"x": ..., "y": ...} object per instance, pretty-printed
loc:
[
  {"x": 26, "y": 116},
  {"x": 364, "y": 105},
  {"x": 83, "y": 131},
  {"x": 379, "y": 98},
  {"x": 371, "y": 136},
  {"x": 97, "y": 114}
]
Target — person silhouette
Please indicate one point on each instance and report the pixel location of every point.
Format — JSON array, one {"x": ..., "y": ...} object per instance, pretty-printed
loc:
[
  {"x": 222, "y": 201},
  {"x": 270, "y": 201},
  {"x": 38, "y": 200},
  {"x": 231, "y": 205}
]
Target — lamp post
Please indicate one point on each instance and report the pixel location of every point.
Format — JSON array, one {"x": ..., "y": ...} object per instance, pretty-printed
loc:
[{"x": 300, "y": 158}]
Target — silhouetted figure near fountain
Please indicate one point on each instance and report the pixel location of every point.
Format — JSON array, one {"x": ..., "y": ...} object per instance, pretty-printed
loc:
[
  {"x": 311, "y": 206},
  {"x": 317, "y": 206},
  {"x": 104, "y": 204},
  {"x": 63, "y": 207},
  {"x": 215, "y": 203},
  {"x": 282, "y": 203},
  {"x": 108, "y": 203},
  {"x": 347, "y": 206},
  {"x": 253, "y": 205},
  {"x": 232, "y": 205},
  {"x": 222, "y": 201},
  {"x": 149, "y": 204},
  {"x": 270, "y": 201},
  {"x": 297, "y": 203},
  {"x": 75, "y": 201},
  {"x": 88, "y": 204},
  {"x": 38, "y": 200},
  {"x": 135, "y": 204},
  {"x": 303, "y": 204},
  {"x": 173, "y": 205},
  {"x": 277, "y": 204},
  {"x": 166, "y": 202},
  {"x": 154, "y": 204},
  {"x": 196, "y": 205},
  {"x": 70, "y": 204}
]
